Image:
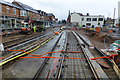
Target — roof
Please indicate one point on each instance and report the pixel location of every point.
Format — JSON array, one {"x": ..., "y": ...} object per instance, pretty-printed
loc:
[
  {"x": 88, "y": 15},
  {"x": 10, "y": 4},
  {"x": 50, "y": 14},
  {"x": 77, "y": 13},
  {"x": 26, "y": 7}
]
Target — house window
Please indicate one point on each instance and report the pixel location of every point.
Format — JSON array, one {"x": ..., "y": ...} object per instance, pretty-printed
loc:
[
  {"x": 88, "y": 19},
  {"x": 94, "y": 19},
  {"x": 88, "y": 24},
  {"x": 25, "y": 13},
  {"x": 100, "y": 19},
  {"x": 28, "y": 13},
  {"x": 7, "y": 9},
  {"x": 22, "y": 13},
  {"x": 14, "y": 11},
  {"x": 82, "y": 19}
]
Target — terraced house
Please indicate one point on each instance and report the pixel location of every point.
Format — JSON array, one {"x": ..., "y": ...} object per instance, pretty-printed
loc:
[{"x": 16, "y": 15}]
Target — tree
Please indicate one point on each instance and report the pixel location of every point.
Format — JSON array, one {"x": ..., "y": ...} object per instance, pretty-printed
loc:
[{"x": 64, "y": 21}]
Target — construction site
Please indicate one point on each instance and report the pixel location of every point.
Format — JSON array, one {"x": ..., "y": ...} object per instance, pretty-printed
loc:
[{"x": 36, "y": 46}]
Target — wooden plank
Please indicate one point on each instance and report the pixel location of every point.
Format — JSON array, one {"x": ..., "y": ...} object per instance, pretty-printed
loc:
[{"x": 102, "y": 63}]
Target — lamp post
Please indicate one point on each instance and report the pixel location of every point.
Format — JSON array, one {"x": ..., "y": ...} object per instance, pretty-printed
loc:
[{"x": 114, "y": 16}]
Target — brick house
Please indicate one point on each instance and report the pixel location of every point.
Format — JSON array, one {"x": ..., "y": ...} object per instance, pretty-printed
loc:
[
  {"x": 9, "y": 15},
  {"x": 13, "y": 15}
]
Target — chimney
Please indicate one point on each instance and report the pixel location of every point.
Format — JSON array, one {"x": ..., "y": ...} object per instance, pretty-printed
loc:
[
  {"x": 81, "y": 14},
  {"x": 87, "y": 14}
]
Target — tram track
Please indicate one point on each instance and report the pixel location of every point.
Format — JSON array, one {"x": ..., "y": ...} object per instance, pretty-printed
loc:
[
  {"x": 26, "y": 40},
  {"x": 19, "y": 46},
  {"x": 63, "y": 66},
  {"x": 106, "y": 64},
  {"x": 76, "y": 68},
  {"x": 45, "y": 60},
  {"x": 41, "y": 62},
  {"x": 19, "y": 39},
  {"x": 26, "y": 43}
]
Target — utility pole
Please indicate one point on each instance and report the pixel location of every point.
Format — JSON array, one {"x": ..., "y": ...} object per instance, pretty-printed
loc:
[
  {"x": 114, "y": 16},
  {"x": 119, "y": 17}
]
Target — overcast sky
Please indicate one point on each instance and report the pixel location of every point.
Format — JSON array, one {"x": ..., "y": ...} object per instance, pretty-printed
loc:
[{"x": 60, "y": 8}]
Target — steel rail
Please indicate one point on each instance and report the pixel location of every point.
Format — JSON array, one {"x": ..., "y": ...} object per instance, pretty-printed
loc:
[
  {"x": 26, "y": 41},
  {"x": 96, "y": 75},
  {"x": 59, "y": 70},
  {"x": 110, "y": 62},
  {"x": 45, "y": 60},
  {"x": 19, "y": 54}
]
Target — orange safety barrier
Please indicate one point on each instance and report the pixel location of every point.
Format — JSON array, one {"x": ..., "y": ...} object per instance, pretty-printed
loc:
[
  {"x": 43, "y": 54},
  {"x": 97, "y": 29},
  {"x": 33, "y": 54},
  {"x": 118, "y": 49},
  {"x": 74, "y": 52},
  {"x": 42, "y": 57},
  {"x": 110, "y": 31},
  {"x": 2, "y": 34},
  {"x": 23, "y": 29},
  {"x": 14, "y": 31},
  {"x": 52, "y": 57},
  {"x": 74, "y": 28},
  {"x": 38, "y": 56},
  {"x": 56, "y": 33},
  {"x": 109, "y": 57},
  {"x": 10, "y": 32},
  {"x": 1, "y": 57}
]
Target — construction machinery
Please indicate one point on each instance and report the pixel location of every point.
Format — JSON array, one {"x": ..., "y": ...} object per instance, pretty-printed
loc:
[{"x": 25, "y": 28}]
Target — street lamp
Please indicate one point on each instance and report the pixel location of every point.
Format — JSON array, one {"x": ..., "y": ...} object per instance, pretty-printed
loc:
[{"x": 114, "y": 17}]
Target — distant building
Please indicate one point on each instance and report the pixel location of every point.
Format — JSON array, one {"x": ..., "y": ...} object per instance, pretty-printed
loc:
[
  {"x": 69, "y": 18},
  {"x": 78, "y": 19},
  {"x": 116, "y": 22},
  {"x": 52, "y": 18},
  {"x": 9, "y": 14},
  {"x": 13, "y": 15},
  {"x": 119, "y": 9},
  {"x": 110, "y": 22},
  {"x": 119, "y": 16}
]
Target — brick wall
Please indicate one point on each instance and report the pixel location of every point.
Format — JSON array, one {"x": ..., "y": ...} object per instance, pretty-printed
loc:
[
  {"x": 31, "y": 14},
  {"x": 4, "y": 11}
]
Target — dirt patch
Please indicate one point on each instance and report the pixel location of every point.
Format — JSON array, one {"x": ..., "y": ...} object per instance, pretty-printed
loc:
[{"x": 98, "y": 39}]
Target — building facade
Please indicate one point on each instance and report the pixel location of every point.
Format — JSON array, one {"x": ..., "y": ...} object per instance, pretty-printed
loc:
[
  {"x": 16, "y": 15},
  {"x": 9, "y": 15},
  {"x": 86, "y": 20}
]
